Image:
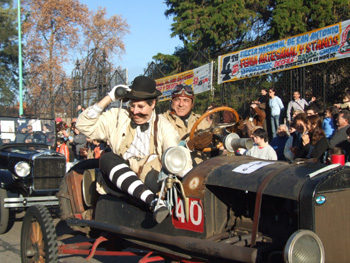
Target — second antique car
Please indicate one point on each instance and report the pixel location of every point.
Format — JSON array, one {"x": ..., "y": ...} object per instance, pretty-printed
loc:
[{"x": 30, "y": 168}]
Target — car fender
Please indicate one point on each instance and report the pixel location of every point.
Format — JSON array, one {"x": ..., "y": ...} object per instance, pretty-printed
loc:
[{"x": 6, "y": 179}]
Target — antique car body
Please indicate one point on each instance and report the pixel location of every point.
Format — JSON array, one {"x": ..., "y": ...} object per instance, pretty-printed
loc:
[
  {"x": 227, "y": 209},
  {"x": 30, "y": 168}
]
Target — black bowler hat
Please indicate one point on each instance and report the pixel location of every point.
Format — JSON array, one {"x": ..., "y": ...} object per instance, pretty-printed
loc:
[{"x": 143, "y": 88}]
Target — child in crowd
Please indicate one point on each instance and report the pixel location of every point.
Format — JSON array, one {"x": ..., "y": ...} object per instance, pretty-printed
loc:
[
  {"x": 99, "y": 148},
  {"x": 261, "y": 149},
  {"x": 328, "y": 124},
  {"x": 62, "y": 148}
]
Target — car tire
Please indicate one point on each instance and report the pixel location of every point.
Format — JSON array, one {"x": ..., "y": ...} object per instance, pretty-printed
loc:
[
  {"x": 4, "y": 213},
  {"x": 38, "y": 236}
]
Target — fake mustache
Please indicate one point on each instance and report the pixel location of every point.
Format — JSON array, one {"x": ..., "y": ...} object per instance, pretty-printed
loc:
[{"x": 138, "y": 115}]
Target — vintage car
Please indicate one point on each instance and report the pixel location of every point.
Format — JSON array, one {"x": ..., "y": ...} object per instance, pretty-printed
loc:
[
  {"x": 30, "y": 168},
  {"x": 226, "y": 209}
]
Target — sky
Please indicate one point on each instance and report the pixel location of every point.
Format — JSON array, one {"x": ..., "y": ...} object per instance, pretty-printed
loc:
[{"x": 149, "y": 30}]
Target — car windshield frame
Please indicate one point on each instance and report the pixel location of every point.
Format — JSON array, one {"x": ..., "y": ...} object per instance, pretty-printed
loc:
[{"x": 27, "y": 131}]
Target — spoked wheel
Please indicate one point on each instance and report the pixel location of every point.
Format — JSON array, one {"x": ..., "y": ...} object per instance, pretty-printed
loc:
[
  {"x": 4, "y": 212},
  {"x": 38, "y": 237}
]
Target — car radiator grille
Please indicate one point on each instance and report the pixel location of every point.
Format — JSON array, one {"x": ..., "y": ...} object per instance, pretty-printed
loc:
[{"x": 48, "y": 172}]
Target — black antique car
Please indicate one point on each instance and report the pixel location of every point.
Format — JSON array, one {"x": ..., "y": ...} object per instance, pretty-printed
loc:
[
  {"x": 227, "y": 209},
  {"x": 30, "y": 168}
]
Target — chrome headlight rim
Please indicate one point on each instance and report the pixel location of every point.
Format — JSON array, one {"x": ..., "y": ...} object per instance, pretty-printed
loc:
[
  {"x": 22, "y": 169},
  {"x": 296, "y": 237},
  {"x": 174, "y": 160}
]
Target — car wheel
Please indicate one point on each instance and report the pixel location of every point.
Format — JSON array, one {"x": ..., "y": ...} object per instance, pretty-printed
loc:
[
  {"x": 4, "y": 212},
  {"x": 38, "y": 237}
]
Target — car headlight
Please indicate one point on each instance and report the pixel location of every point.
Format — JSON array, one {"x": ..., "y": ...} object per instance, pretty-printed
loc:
[
  {"x": 22, "y": 169},
  {"x": 304, "y": 246},
  {"x": 174, "y": 160}
]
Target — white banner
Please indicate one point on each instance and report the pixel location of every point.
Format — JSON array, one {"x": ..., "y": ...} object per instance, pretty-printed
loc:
[{"x": 199, "y": 78}]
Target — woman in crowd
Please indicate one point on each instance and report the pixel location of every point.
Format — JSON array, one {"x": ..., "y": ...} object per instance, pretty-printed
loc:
[
  {"x": 276, "y": 107},
  {"x": 314, "y": 141}
]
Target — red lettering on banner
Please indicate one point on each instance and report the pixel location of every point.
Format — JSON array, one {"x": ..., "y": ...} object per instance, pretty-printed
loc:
[
  {"x": 196, "y": 215},
  {"x": 283, "y": 62}
]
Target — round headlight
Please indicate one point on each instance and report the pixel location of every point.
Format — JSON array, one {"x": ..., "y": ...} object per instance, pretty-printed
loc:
[
  {"x": 304, "y": 246},
  {"x": 174, "y": 160},
  {"x": 22, "y": 169}
]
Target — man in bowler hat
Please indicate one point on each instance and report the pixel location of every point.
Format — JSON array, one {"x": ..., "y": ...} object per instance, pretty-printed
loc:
[{"x": 138, "y": 137}]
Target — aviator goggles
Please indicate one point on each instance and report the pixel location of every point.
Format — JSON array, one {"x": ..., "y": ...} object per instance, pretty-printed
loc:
[{"x": 186, "y": 89}]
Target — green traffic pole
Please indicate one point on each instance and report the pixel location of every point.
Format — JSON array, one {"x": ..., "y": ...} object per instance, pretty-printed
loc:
[{"x": 20, "y": 59}]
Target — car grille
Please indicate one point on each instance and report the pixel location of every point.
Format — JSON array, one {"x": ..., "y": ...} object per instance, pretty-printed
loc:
[{"x": 48, "y": 172}]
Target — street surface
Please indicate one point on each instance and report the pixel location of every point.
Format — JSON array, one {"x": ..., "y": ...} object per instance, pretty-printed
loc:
[{"x": 10, "y": 246}]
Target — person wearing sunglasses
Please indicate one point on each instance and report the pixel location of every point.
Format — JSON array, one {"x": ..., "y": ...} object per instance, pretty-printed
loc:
[{"x": 183, "y": 118}]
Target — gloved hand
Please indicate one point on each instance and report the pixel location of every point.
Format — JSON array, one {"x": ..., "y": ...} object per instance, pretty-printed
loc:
[
  {"x": 114, "y": 96},
  {"x": 200, "y": 141}
]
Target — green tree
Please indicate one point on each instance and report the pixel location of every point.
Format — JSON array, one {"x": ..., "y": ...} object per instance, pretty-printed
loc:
[
  {"x": 292, "y": 17},
  {"x": 218, "y": 26},
  {"x": 8, "y": 53}
]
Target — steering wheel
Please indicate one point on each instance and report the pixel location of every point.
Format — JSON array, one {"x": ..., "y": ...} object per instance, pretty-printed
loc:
[{"x": 208, "y": 113}]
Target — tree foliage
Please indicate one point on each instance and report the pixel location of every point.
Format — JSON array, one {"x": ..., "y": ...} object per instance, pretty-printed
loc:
[
  {"x": 292, "y": 17},
  {"x": 52, "y": 30},
  {"x": 8, "y": 53},
  {"x": 217, "y": 26}
]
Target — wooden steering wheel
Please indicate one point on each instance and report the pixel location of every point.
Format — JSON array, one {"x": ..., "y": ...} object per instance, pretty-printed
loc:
[{"x": 208, "y": 113}]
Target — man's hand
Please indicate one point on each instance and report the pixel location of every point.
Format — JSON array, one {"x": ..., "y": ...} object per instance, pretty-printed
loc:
[
  {"x": 115, "y": 96},
  {"x": 200, "y": 141}
]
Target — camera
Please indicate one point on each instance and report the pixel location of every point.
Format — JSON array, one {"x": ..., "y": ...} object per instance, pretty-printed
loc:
[{"x": 121, "y": 91}]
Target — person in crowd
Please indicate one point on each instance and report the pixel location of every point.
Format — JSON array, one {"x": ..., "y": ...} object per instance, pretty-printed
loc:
[
  {"x": 312, "y": 109},
  {"x": 276, "y": 108},
  {"x": 296, "y": 104},
  {"x": 99, "y": 147},
  {"x": 314, "y": 141},
  {"x": 257, "y": 116},
  {"x": 138, "y": 138},
  {"x": 261, "y": 149},
  {"x": 339, "y": 138},
  {"x": 328, "y": 124},
  {"x": 62, "y": 148},
  {"x": 279, "y": 141},
  {"x": 294, "y": 142},
  {"x": 310, "y": 98},
  {"x": 88, "y": 150},
  {"x": 346, "y": 102},
  {"x": 183, "y": 118},
  {"x": 263, "y": 104},
  {"x": 263, "y": 101},
  {"x": 79, "y": 142}
]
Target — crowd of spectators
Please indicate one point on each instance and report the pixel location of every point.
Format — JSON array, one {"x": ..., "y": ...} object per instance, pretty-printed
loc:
[{"x": 75, "y": 145}]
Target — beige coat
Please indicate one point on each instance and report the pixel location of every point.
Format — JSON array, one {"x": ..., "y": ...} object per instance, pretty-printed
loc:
[
  {"x": 184, "y": 131},
  {"x": 180, "y": 126},
  {"x": 117, "y": 130}
]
